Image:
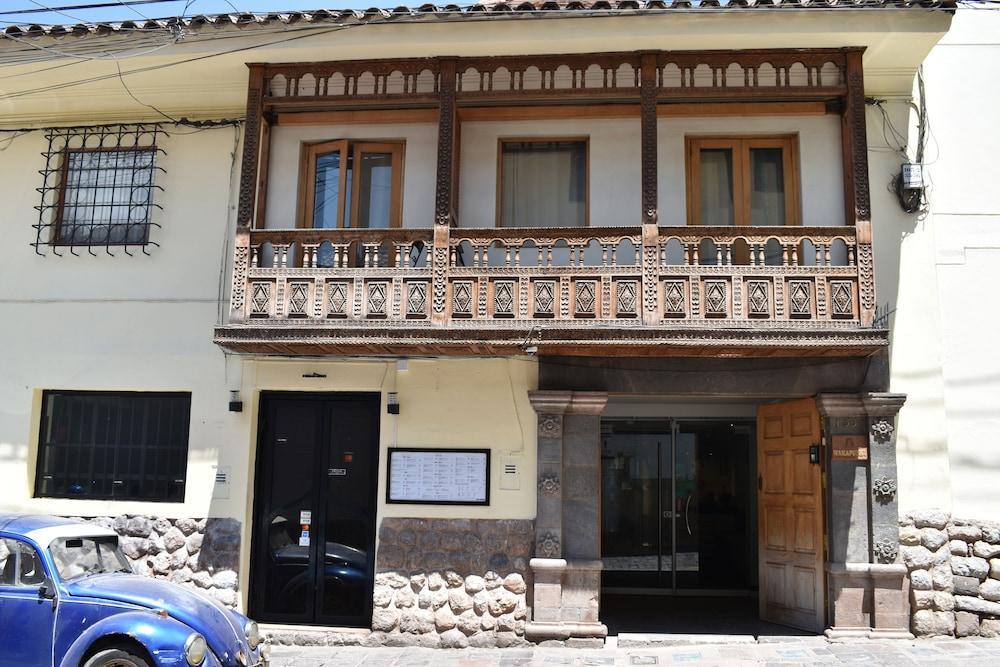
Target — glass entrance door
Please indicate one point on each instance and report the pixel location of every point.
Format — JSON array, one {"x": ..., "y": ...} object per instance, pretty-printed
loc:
[
  {"x": 314, "y": 520},
  {"x": 678, "y": 504}
]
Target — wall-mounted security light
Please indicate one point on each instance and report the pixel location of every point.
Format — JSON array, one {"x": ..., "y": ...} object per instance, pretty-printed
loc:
[
  {"x": 235, "y": 404},
  {"x": 392, "y": 405}
]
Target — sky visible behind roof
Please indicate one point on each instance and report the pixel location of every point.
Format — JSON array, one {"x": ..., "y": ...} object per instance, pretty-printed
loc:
[{"x": 24, "y": 12}]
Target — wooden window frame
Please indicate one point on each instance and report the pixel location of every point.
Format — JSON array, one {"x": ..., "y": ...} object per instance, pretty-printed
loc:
[
  {"x": 307, "y": 178},
  {"x": 60, "y": 211},
  {"x": 585, "y": 140},
  {"x": 741, "y": 146}
]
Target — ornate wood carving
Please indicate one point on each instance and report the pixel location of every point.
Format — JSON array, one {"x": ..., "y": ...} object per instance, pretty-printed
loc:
[
  {"x": 251, "y": 148},
  {"x": 791, "y": 74},
  {"x": 854, "y": 111},
  {"x": 648, "y": 93},
  {"x": 443, "y": 198}
]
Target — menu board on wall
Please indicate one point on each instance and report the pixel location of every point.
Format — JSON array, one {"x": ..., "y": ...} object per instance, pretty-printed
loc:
[{"x": 438, "y": 476}]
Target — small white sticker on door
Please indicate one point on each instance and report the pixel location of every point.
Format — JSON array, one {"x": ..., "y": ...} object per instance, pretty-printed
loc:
[
  {"x": 305, "y": 517},
  {"x": 303, "y": 540}
]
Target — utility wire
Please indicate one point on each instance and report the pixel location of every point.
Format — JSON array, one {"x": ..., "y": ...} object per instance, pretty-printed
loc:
[{"x": 93, "y": 5}]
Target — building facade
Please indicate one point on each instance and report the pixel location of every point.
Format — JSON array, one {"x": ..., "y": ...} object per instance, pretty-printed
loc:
[{"x": 448, "y": 324}]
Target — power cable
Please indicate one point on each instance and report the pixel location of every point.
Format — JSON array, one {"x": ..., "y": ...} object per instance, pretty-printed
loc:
[{"x": 93, "y": 5}]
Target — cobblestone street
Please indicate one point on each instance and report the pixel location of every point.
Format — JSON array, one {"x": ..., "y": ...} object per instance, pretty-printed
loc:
[{"x": 793, "y": 651}]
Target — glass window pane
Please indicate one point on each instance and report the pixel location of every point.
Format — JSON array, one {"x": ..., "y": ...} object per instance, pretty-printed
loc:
[
  {"x": 767, "y": 187},
  {"x": 544, "y": 184},
  {"x": 107, "y": 197},
  {"x": 716, "y": 184},
  {"x": 326, "y": 204},
  {"x": 375, "y": 191},
  {"x": 96, "y": 445}
]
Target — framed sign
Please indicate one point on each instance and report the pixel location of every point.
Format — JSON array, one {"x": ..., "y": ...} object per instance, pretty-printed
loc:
[{"x": 432, "y": 476}]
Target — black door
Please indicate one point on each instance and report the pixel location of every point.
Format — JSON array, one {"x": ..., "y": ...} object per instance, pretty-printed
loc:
[{"x": 313, "y": 552}]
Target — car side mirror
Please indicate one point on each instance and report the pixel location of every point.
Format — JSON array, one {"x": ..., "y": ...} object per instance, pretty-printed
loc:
[{"x": 47, "y": 591}]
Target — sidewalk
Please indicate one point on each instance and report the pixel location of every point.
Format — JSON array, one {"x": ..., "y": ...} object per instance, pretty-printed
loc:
[{"x": 785, "y": 651}]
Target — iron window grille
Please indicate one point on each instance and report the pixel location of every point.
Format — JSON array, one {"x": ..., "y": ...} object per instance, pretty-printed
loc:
[
  {"x": 113, "y": 445},
  {"x": 97, "y": 189}
]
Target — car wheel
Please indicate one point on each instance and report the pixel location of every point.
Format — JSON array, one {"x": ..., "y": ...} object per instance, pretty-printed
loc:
[{"x": 114, "y": 657}]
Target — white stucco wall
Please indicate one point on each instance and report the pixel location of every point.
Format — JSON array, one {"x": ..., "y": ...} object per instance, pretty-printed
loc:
[
  {"x": 614, "y": 178},
  {"x": 962, "y": 78}
]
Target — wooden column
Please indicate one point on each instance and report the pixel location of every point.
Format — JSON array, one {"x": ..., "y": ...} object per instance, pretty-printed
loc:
[
  {"x": 857, "y": 201},
  {"x": 247, "y": 203},
  {"x": 650, "y": 231},
  {"x": 444, "y": 195}
]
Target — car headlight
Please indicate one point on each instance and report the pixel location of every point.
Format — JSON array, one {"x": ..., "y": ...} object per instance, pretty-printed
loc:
[
  {"x": 253, "y": 634},
  {"x": 195, "y": 649}
]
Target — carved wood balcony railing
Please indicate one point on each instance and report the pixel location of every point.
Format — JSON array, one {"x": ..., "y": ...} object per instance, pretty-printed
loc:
[{"x": 521, "y": 283}]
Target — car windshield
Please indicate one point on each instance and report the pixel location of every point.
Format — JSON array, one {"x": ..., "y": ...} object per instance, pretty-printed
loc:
[{"x": 77, "y": 557}]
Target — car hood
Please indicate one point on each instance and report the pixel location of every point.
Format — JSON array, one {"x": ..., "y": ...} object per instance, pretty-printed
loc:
[{"x": 209, "y": 618}]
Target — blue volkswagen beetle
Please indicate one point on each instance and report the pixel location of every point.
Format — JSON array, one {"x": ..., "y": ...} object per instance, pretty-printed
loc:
[{"x": 69, "y": 598}]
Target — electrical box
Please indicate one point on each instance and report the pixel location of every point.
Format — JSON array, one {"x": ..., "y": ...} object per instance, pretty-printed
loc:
[
  {"x": 222, "y": 482},
  {"x": 510, "y": 475},
  {"x": 913, "y": 177}
]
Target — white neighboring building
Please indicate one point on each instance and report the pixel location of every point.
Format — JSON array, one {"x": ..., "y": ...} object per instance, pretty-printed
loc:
[{"x": 572, "y": 360}]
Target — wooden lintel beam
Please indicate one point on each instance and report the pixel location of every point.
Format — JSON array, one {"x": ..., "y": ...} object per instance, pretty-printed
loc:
[
  {"x": 355, "y": 116},
  {"x": 549, "y": 112}
]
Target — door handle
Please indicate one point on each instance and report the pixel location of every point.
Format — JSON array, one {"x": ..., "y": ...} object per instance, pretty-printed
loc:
[{"x": 687, "y": 511}]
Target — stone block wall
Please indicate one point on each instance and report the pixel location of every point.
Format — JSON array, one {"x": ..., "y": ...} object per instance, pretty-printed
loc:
[
  {"x": 451, "y": 583},
  {"x": 954, "y": 573},
  {"x": 201, "y": 553}
]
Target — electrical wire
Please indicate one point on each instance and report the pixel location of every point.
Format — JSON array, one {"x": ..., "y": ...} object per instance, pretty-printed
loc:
[{"x": 93, "y": 5}]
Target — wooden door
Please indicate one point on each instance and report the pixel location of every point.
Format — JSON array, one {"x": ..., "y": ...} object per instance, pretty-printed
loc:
[{"x": 790, "y": 516}]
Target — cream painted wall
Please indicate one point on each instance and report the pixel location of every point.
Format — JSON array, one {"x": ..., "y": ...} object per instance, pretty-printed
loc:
[
  {"x": 121, "y": 323},
  {"x": 481, "y": 403},
  {"x": 615, "y": 167}
]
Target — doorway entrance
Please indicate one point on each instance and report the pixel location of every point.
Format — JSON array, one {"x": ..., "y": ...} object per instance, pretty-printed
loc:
[
  {"x": 313, "y": 549},
  {"x": 678, "y": 506}
]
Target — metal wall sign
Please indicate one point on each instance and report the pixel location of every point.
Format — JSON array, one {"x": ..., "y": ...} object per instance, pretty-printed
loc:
[
  {"x": 436, "y": 476},
  {"x": 849, "y": 447}
]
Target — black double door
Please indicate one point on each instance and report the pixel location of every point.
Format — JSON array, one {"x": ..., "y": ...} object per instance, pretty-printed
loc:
[{"x": 313, "y": 551}]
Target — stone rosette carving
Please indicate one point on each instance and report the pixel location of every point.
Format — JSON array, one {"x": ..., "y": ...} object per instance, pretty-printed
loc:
[
  {"x": 886, "y": 550},
  {"x": 882, "y": 431},
  {"x": 548, "y": 545},
  {"x": 548, "y": 484},
  {"x": 884, "y": 488},
  {"x": 550, "y": 426}
]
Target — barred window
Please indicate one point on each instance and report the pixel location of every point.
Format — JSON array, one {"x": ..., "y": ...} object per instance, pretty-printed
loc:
[
  {"x": 120, "y": 446},
  {"x": 106, "y": 197},
  {"x": 98, "y": 189}
]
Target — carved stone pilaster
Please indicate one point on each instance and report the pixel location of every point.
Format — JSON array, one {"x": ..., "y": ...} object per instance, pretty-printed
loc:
[
  {"x": 567, "y": 566},
  {"x": 881, "y": 410}
]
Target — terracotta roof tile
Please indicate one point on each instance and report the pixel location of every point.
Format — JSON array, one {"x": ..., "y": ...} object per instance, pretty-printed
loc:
[{"x": 431, "y": 12}]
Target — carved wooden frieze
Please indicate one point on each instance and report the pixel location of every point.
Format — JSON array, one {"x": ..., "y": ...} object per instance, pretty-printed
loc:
[
  {"x": 716, "y": 298},
  {"x": 758, "y": 298},
  {"x": 586, "y": 298},
  {"x": 800, "y": 300},
  {"x": 337, "y": 298},
  {"x": 841, "y": 299},
  {"x": 545, "y": 298}
]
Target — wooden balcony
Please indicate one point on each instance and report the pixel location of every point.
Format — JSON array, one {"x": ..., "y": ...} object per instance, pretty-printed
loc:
[
  {"x": 641, "y": 290},
  {"x": 644, "y": 290}
]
